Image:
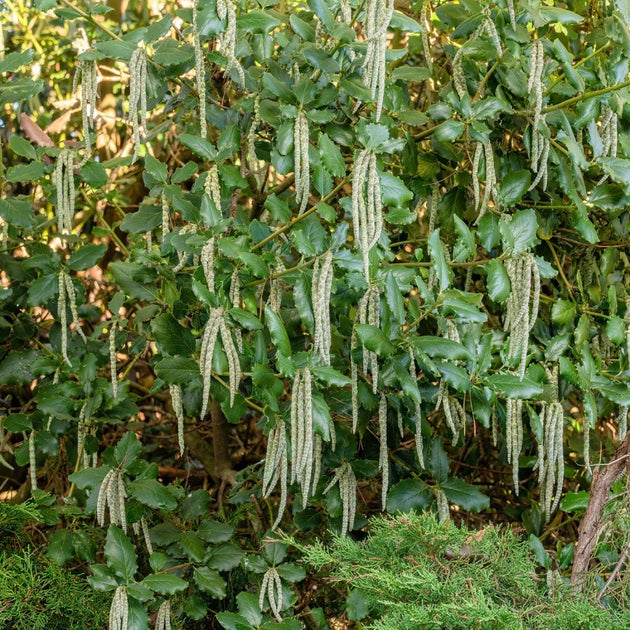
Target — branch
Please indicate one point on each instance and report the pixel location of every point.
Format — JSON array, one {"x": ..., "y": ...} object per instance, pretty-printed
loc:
[{"x": 590, "y": 525}]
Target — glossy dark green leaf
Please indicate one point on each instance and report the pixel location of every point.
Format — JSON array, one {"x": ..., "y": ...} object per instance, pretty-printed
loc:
[{"x": 120, "y": 553}]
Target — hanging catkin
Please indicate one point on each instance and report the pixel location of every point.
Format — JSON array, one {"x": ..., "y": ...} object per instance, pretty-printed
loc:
[
  {"x": 113, "y": 361},
  {"x": 302, "y": 437},
  {"x": 183, "y": 256},
  {"x": 235, "y": 300},
  {"x": 119, "y": 610},
  {"x": 383, "y": 461},
  {"x": 301, "y": 161},
  {"x": 443, "y": 509},
  {"x": 226, "y": 9},
  {"x": 178, "y": 408},
  {"x": 112, "y": 495},
  {"x": 512, "y": 14},
  {"x": 622, "y": 422},
  {"x": 453, "y": 410},
  {"x": 163, "y": 617},
  {"x": 212, "y": 186},
  {"x": 535, "y": 87},
  {"x": 320, "y": 292},
  {"x": 141, "y": 527},
  {"x": 378, "y": 14},
  {"x": 207, "y": 262},
  {"x": 425, "y": 23},
  {"x": 252, "y": 159},
  {"x": 63, "y": 179},
  {"x": 550, "y": 462},
  {"x": 67, "y": 297},
  {"x": 514, "y": 435},
  {"x": 490, "y": 189},
  {"x": 215, "y": 325},
  {"x": 417, "y": 412},
  {"x": 271, "y": 587},
  {"x": 166, "y": 215},
  {"x": 609, "y": 135},
  {"x": 32, "y": 460},
  {"x": 276, "y": 468},
  {"x": 89, "y": 93},
  {"x": 522, "y": 306},
  {"x": 367, "y": 209},
  {"x": 368, "y": 312},
  {"x": 138, "y": 96},
  {"x": 344, "y": 476},
  {"x": 200, "y": 74}
]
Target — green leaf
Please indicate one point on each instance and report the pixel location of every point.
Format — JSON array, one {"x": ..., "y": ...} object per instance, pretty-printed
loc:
[
  {"x": 442, "y": 269},
  {"x": 202, "y": 147},
  {"x": 541, "y": 555},
  {"x": 464, "y": 495},
  {"x": 557, "y": 14},
  {"x": 121, "y": 554},
  {"x": 519, "y": 234},
  {"x": 375, "y": 340},
  {"x": 449, "y": 131},
  {"x": 563, "y": 312},
  {"x": 248, "y": 607},
  {"x": 575, "y": 501},
  {"x": 86, "y": 257},
  {"x": 23, "y": 173},
  {"x": 256, "y": 22},
  {"x": 165, "y": 583},
  {"x": 60, "y": 547},
  {"x": 617, "y": 168},
  {"x": 14, "y": 61},
  {"x": 291, "y": 572},
  {"x": 497, "y": 281},
  {"x": 357, "y": 605},
  {"x": 322, "y": 11},
  {"x": 455, "y": 376},
  {"x": 233, "y": 621},
  {"x": 130, "y": 278},
  {"x": 330, "y": 376},
  {"x": 616, "y": 330},
  {"x": 20, "y": 146},
  {"x": 513, "y": 186},
  {"x": 440, "y": 348},
  {"x": 171, "y": 336},
  {"x": 278, "y": 332},
  {"x": 94, "y": 174},
  {"x": 225, "y": 557},
  {"x": 331, "y": 156},
  {"x": 510, "y": 386},
  {"x": 214, "y": 531},
  {"x": 407, "y": 495},
  {"x": 210, "y": 582},
  {"x": 192, "y": 546},
  {"x": 152, "y": 493},
  {"x": 410, "y": 73},
  {"x": 127, "y": 450},
  {"x": 393, "y": 190},
  {"x": 116, "y": 49},
  {"x": 178, "y": 370},
  {"x": 145, "y": 219}
]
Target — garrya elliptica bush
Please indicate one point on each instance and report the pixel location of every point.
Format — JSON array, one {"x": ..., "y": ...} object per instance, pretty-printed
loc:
[{"x": 386, "y": 242}]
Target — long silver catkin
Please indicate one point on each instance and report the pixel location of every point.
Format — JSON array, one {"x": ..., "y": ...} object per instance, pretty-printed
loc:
[{"x": 138, "y": 96}]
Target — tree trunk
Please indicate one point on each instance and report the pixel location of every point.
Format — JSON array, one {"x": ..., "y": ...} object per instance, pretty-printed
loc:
[{"x": 590, "y": 525}]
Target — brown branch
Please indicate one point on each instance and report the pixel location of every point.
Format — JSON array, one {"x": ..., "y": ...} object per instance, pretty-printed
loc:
[{"x": 590, "y": 525}]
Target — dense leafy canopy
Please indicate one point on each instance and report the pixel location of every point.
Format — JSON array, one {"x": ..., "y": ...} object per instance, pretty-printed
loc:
[{"x": 390, "y": 243}]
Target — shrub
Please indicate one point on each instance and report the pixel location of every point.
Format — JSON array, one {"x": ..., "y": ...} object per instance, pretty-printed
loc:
[{"x": 387, "y": 246}]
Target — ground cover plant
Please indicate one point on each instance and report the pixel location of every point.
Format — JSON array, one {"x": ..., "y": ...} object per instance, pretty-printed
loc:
[{"x": 285, "y": 265}]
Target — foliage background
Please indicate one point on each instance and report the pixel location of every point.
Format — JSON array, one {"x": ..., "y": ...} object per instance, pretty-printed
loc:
[{"x": 434, "y": 263}]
